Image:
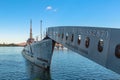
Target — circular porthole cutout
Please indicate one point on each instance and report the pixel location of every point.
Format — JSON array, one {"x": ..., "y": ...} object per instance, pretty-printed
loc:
[
  {"x": 66, "y": 36},
  {"x": 87, "y": 42},
  {"x": 100, "y": 45},
  {"x": 79, "y": 39},
  {"x": 62, "y": 35},
  {"x": 72, "y": 37},
  {"x": 117, "y": 51}
]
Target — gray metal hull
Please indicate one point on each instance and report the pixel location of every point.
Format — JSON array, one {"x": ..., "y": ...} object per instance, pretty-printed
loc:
[{"x": 39, "y": 53}]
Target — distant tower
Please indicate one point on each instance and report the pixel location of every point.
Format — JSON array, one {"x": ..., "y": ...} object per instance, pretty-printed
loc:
[
  {"x": 30, "y": 29},
  {"x": 31, "y": 39}
]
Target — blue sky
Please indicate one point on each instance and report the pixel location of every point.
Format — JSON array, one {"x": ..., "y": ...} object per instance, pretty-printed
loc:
[{"x": 15, "y": 16}]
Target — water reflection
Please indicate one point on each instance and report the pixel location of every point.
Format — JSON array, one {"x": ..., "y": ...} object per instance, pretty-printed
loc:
[{"x": 37, "y": 73}]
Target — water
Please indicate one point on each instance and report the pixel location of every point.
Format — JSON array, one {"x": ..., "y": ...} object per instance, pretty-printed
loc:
[{"x": 66, "y": 65}]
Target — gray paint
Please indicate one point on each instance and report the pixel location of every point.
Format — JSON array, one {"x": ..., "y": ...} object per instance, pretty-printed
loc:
[{"x": 40, "y": 49}]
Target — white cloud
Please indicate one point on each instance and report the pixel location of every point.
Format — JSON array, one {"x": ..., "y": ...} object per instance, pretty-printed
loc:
[
  {"x": 49, "y": 8},
  {"x": 55, "y": 10}
]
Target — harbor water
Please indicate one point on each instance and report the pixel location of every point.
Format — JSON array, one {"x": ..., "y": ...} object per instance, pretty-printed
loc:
[{"x": 66, "y": 65}]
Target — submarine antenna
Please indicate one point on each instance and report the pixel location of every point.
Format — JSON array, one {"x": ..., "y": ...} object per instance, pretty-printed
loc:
[
  {"x": 41, "y": 28},
  {"x": 31, "y": 29}
]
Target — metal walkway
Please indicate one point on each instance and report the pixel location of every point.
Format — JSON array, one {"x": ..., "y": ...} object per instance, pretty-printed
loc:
[{"x": 101, "y": 45}]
